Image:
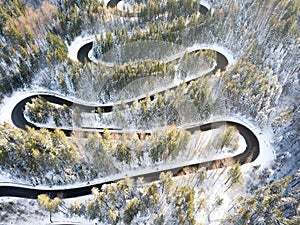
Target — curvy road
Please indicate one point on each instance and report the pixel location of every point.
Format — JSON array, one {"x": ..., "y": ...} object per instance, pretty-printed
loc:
[
  {"x": 250, "y": 153},
  {"x": 114, "y": 3}
]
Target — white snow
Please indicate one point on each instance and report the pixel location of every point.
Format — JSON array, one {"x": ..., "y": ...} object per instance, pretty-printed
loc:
[
  {"x": 198, "y": 149},
  {"x": 77, "y": 44},
  {"x": 263, "y": 134},
  {"x": 264, "y": 137},
  {"x": 28, "y": 212},
  {"x": 9, "y": 103},
  {"x": 6, "y": 177},
  {"x": 216, "y": 47},
  {"x": 265, "y": 157},
  {"x": 80, "y": 41},
  {"x": 125, "y": 7}
]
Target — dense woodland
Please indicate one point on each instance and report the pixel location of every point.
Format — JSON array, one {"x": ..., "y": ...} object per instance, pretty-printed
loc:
[{"x": 262, "y": 85}]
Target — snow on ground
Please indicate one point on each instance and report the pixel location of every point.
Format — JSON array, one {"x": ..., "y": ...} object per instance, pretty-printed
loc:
[
  {"x": 80, "y": 41},
  {"x": 214, "y": 186},
  {"x": 216, "y": 47},
  {"x": 264, "y": 159},
  {"x": 266, "y": 156},
  {"x": 213, "y": 189},
  {"x": 27, "y": 212},
  {"x": 9, "y": 103},
  {"x": 125, "y": 7},
  {"x": 265, "y": 136},
  {"x": 77, "y": 44},
  {"x": 129, "y": 4},
  {"x": 202, "y": 146},
  {"x": 206, "y": 4},
  {"x": 6, "y": 177},
  {"x": 22, "y": 211}
]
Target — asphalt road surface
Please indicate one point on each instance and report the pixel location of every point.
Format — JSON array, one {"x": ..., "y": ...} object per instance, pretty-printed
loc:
[{"x": 250, "y": 153}]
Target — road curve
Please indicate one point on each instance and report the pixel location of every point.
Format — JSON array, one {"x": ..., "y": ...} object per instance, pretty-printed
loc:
[
  {"x": 19, "y": 120},
  {"x": 250, "y": 153},
  {"x": 114, "y": 3}
]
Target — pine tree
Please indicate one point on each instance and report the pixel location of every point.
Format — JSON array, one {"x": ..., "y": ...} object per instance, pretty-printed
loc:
[
  {"x": 51, "y": 205},
  {"x": 97, "y": 49},
  {"x": 235, "y": 175},
  {"x": 132, "y": 208}
]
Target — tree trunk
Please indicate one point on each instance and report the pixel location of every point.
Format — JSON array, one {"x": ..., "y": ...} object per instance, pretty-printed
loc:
[{"x": 51, "y": 217}]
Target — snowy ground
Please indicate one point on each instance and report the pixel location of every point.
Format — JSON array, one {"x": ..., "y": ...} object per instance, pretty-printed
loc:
[
  {"x": 28, "y": 212},
  {"x": 34, "y": 215},
  {"x": 266, "y": 156},
  {"x": 22, "y": 211},
  {"x": 212, "y": 189},
  {"x": 125, "y": 7},
  {"x": 128, "y": 5},
  {"x": 264, "y": 159},
  {"x": 9, "y": 103},
  {"x": 264, "y": 136},
  {"x": 202, "y": 146},
  {"x": 80, "y": 41},
  {"x": 74, "y": 47}
]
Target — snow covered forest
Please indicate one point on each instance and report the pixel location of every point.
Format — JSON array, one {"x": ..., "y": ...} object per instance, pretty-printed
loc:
[{"x": 132, "y": 57}]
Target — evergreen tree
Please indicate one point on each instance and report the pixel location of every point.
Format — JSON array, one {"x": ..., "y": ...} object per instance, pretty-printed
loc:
[{"x": 51, "y": 205}]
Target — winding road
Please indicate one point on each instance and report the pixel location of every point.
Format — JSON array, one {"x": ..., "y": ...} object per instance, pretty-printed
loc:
[{"x": 250, "y": 153}]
